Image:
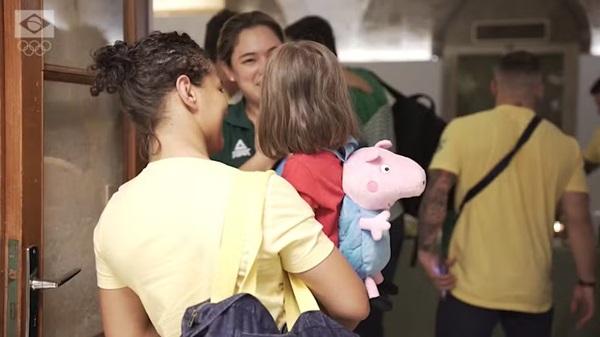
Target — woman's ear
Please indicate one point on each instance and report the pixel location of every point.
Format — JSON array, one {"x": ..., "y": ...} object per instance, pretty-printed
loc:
[
  {"x": 226, "y": 70},
  {"x": 494, "y": 87},
  {"x": 186, "y": 92}
]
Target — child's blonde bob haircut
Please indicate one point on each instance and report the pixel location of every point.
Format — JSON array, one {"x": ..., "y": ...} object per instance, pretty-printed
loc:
[{"x": 304, "y": 105}]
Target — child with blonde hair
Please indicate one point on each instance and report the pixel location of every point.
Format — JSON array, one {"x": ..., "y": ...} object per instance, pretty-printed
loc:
[{"x": 306, "y": 115}]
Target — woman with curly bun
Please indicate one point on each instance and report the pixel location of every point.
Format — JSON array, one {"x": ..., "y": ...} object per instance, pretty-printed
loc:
[{"x": 157, "y": 240}]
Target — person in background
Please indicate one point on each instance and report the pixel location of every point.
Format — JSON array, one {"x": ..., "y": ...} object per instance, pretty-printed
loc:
[
  {"x": 500, "y": 253},
  {"x": 245, "y": 44},
  {"x": 213, "y": 28},
  {"x": 592, "y": 151},
  {"x": 157, "y": 241},
  {"x": 367, "y": 95}
]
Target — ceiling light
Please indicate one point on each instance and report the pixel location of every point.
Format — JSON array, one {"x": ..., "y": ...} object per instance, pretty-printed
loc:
[
  {"x": 384, "y": 55},
  {"x": 185, "y": 6}
]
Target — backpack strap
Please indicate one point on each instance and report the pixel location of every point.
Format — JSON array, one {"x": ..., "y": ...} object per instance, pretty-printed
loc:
[
  {"x": 344, "y": 153},
  {"x": 241, "y": 234},
  {"x": 453, "y": 216},
  {"x": 502, "y": 164},
  {"x": 297, "y": 299},
  {"x": 240, "y": 244},
  {"x": 419, "y": 96},
  {"x": 280, "y": 166}
]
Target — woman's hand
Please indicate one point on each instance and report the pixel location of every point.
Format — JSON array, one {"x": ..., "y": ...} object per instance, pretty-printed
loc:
[{"x": 258, "y": 162}]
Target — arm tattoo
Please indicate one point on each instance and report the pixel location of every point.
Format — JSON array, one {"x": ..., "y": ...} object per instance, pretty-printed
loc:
[{"x": 433, "y": 207}]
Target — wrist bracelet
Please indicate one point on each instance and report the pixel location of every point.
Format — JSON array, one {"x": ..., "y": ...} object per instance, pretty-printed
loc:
[{"x": 586, "y": 284}]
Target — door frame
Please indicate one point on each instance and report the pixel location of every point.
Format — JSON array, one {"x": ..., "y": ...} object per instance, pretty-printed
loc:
[
  {"x": 570, "y": 62},
  {"x": 2, "y": 267},
  {"x": 21, "y": 150},
  {"x": 22, "y": 144}
]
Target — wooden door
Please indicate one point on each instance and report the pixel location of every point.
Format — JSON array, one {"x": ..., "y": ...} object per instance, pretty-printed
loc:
[{"x": 62, "y": 154}]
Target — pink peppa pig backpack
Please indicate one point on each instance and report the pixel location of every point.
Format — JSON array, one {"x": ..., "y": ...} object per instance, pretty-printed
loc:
[{"x": 374, "y": 178}]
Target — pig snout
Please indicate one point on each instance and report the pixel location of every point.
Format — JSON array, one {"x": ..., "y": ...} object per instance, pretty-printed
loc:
[
  {"x": 412, "y": 182},
  {"x": 414, "y": 189}
]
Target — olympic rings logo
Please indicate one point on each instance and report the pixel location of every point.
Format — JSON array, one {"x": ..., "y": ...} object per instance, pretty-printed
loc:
[{"x": 34, "y": 47}]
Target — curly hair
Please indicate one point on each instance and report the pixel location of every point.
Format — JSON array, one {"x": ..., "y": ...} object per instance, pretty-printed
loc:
[{"x": 143, "y": 73}]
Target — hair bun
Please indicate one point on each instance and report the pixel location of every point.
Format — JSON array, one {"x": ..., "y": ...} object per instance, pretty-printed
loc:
[{"x": 113, "y": 66}]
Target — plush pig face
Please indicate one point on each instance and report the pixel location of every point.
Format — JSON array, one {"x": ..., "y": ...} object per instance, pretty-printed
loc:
[{"x": 375, "y": 178}]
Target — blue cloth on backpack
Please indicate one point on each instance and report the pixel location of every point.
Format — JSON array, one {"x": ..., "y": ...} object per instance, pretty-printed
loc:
[{"x": 366, "y": 255}]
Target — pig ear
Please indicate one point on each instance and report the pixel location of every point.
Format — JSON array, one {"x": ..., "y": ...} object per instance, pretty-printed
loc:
[
  {"x": 384, "y": 144},
  {"x": 373, "y": 158}
]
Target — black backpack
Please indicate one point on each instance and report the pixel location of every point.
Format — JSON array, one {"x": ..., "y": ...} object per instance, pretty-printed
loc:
[{"x": 418, "y": 130}]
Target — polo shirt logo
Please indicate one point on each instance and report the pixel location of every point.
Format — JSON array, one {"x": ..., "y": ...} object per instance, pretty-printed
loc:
[{"x": 240, "y": 150}]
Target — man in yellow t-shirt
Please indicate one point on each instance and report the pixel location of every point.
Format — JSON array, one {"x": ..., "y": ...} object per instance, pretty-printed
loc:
[
  {"x": 500, "y": 252},
  {"x": 592, "y": 152}
]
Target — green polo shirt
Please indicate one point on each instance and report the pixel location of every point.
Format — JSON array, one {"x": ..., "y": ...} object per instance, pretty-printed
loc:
[
  {"x": 238, "y": 136},
  {"x": 367, "y": 104}
]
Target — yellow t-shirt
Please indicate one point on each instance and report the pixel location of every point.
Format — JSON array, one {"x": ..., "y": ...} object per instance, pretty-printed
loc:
[
  {"x": 502, "y": 241},
  {"x": 159, "y": 235},
  {"x": 592, "y": 152}
]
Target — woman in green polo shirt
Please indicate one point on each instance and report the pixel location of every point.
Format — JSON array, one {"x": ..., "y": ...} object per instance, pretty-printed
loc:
[{"x": 245, "y": 45}]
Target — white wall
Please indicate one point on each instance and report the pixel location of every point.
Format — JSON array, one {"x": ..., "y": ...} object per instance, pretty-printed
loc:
[
  {"x": 587, "y": 116},
  {"x": 588, "y": 120},
  {"x": 412, "y": 77}
]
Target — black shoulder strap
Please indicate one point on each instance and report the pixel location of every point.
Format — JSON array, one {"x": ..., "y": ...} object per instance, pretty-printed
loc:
[
  {"x": 386, "y": 85},
  {"x": 502, "y": 164}
]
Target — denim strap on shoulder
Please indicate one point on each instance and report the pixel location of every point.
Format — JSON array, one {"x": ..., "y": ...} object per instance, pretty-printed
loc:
[{"x": 344, "y": 152}]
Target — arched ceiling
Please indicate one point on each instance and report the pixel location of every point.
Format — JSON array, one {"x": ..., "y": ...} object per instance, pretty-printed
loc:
[{"x": 424, "y": 27}]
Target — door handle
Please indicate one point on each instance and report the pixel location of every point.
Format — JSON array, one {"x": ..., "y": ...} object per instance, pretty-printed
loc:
[
  {"x": 43, "y": 284},
  {"x": 34, "y": 285}
]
